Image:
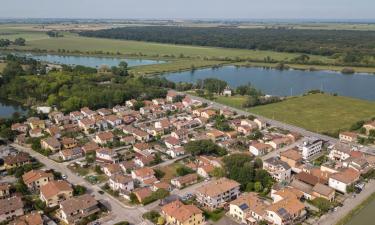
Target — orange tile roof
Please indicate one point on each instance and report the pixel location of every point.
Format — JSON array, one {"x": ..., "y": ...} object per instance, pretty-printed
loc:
[
  {"x": 292, "y": 205},
  {"x": 143, "y": 172},
  {"x": 34, "y": 175},
  {"x": 179, "y": 211},
  {"x": 218, "y": 187},
  {"x": 292, "y": 153},
  {"x": 53, "y": 188},
  {"x": 347, "y": 176}
]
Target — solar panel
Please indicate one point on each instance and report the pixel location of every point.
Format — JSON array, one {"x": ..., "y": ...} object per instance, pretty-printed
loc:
[{"x": 244, "y": 206}]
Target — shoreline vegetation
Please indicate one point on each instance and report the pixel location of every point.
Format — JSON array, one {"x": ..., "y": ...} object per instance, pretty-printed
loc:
[{"x": 356, "y": 210}]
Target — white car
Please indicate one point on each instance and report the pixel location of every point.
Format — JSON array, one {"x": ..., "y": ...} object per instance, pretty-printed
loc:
[{"x": 64, "y": 177}]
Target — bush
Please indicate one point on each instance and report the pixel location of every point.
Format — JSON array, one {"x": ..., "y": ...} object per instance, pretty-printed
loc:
[
  {"x": 79, "y": 190},
  {"x": 159, "y": 194},
  {"x": 152, "y": 216},
  {"x": 122, "y": 223}
]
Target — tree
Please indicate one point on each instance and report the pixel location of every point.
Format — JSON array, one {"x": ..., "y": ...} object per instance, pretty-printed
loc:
[
  {"x": 79, "y": 190},
  {"x": 11, "y": 70},
  {"x": 218, "y": 172},
  {"x": 249, "y": 187},
  {"x": 258, "y": 186},
  {"x": 161, "y": 220},
  {"x": 20, "y": 41},
  {"x": 204, "y": 147},
  {"x": 322, "y": 204},
  {"x": 159, "y": 173},
  {"x": 183, "y": 170}
]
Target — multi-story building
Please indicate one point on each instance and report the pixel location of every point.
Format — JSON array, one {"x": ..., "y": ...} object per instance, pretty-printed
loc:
[
  {"x": 310, "y": 147},
  {"x": 178, "y": 213},
  {"x": 216, "y": 193},
  {"x": 278, "y": 169}
]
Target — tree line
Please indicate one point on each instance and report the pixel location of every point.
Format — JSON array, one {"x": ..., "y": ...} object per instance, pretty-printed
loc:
[{"x": 6, "y": 42}]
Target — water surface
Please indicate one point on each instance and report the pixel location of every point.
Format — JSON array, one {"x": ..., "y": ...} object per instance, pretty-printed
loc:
[
  {"x": 7, "y": 108},
  {"x": 287, "y": 82}
]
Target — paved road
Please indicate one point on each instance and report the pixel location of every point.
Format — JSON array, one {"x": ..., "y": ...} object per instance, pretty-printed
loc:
[
  {"x": 348, "y": 205},
  {"x": 278, "y": 151},
  {"x": 119, "y": 211},
  {"x": 279, "y": 124}
]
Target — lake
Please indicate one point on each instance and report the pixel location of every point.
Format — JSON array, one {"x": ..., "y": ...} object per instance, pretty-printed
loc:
[
  {"x": 90, "y": 61},
  {"x": 286, "y": 82},
  {"x": 7, "y": 108}
]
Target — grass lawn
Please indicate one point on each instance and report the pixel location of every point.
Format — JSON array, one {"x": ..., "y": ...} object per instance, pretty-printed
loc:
[
  {"x": 80, "y": 170},
  {"x": 233, "y": 101},
  {"x": 170, "y": 171},
  {"x": 319, "y": 112}
]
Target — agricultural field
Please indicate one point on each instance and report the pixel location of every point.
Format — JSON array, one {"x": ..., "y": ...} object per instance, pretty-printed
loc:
[
  {"x": 232, "y": 101},
  {"x": 320, "y": 113},
  {"x": 2, "y": 66}
]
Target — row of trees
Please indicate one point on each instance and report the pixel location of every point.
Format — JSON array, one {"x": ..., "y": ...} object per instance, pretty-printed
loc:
[{"x": 18, "y": 41}]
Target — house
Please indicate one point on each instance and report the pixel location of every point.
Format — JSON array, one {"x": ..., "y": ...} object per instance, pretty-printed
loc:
[
  {"x": 323, "y": 191},
  {"x": 343, "y": 179},
  {"x": 369, "y": 127},
  {"x": 208, "y": 113},
  {"x": 106, "y": 155},
  {"x": 358, "y": 163},
  {"x": 244, "y": 129},
  {"x": 90, "y": 147},
  {"x": 87, "y": 124},
  {"x": 286, "y": 211},
  {"x": 216, "y": 193},
  {"x": 311, "y": 147},
  {"x": 4, "y": 190},
  {"x": 308, "y": 178},
  {"x": 172, "y": 142},
  {"x": 158, "y": 101},
  {"x": 227, "y": 91},
  {"x": 36, "y": 133},
  {"x": 142, "y": 193},
  {"x": 227, "y": 113},
  {"x": 161, "y": 185},
  {"x": 259, "y": 148},
  {"x": 88, "y": 112},
  {"x": 131, "y": 103},
  {"x": 141, "y": 135},
  {"x": 68, "y": 143},
  {"x": 216, "y": 135},
  {"x": 278, "y": 169},
  {"x": 54, "y": 131},
  {"x": 144, "y": 160},
  {"x": 178, "y": 213},
  {"x": 128, "y": 140},
  {"x": 104, "y": 137},
  {"x": 140, "y": 147},
  {"x": 55, "y": 192},
  {"x": 253, "y": 125},
  {"x": 340, "y": 152},
  {"x": 37, "y": 123},
  {"x": 75, "y": 116},
  {"x": 74, "y": 209},
  {"x": 34, "y": 179},
  {"x": 143, "y": 174},
  {"x": 348, "y": 136},
  {"x": 113, "y": 120},
  {"x": 51, "y": 143},
  {"x": 185, "y": 180},
  {"x": 171, "y": 96},
  {"x": 18, "y": 160},
  {"x": 261, "y": 123},
  {"x": 10, "y": 208},
  {"x": 293, "y": 158},
  {"x": 205, "y": 170},
  {"x": 19, "y": 127},
  {"x": 72, "y": 153},
  {"x": 247, "y": 208},
  {"x": 279, "y": 142},
  {"x": 181, "y": 134},
  {"x": 278, "y": 194},
  {"x": 176, "y": 152},
  {"x": 121, "y": 183},
  {"x": 104, "y": 112},
  {"x": 33, "y": 218},
  {"x": 127, "y": 166}
]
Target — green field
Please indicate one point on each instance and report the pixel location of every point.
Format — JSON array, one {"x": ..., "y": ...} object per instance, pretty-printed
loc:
[
  {"x": 320, "y": 113},
  {"x": 2, "y": 66},
  {"x": 233, "y": 101}
]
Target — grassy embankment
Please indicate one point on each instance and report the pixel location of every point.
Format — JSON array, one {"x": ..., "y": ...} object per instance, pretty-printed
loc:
[
  {"x": 320, "y": 113},
  {"x": 356, "y": 210},
  {"x": 2, "y": 66}
]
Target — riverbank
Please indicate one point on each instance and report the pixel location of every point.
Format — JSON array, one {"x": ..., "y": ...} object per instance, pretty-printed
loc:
[{"x": 356, "y": 211}]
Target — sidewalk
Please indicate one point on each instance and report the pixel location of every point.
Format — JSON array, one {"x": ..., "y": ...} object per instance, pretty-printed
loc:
[{"x": 349, "y": 204}]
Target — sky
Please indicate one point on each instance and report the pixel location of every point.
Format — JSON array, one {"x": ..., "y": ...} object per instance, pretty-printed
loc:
[{"x": 189, "y": 9}]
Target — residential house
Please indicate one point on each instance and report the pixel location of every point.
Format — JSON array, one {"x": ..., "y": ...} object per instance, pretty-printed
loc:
[
  {"x": 4, "y": 190},
  {"x": 104, "y": 137},
  {"x": 88, "y": 112},
  {"x": 293, "y": 158},
  {"x": 128, "y": 140},
  {"x": 36, "y": 133},
  {"x": 142, "y": 193},
  {"x": 121, "y": 183},
  {"x": 106, "y": 155},
  {"x": 348, "y": 136},
  {"x": 340, "y": 152},
  {"x": 10, "y": 208},
  {"x": 278, "y": 169},
  {"x": 54, "y": 131},
  {"x": 369, "y": 127},
  {"x": 261, "y": 123},
  {"x": 76, "y": 116},
  {"x": 247, "y": 208},
  {"x": 171, "y": 96},
  {"x": 127, "y": 166},
  {"x": 18, "y": 160},
  {"x": 144, "y": 160},
  {"x": 113, "y": 120},
  {"x": 68, "y": 143},
  {"x": 216, "y": 135},
  {"x": 37, "y": 123},
  {"x": 287, "y": 211},
  {"x": 33, "y": 218},
  {"x": 205, "y": 170},
  {"x": 178, "y": 213},
  {"x": 87, "y": 124},
  {"x": 176, "y": 152},
  {"x": 216, "y": 193},
  {"x": 343, "y": 179},
  {"x": 34, "y": 179},
  {"x": 161, "y": 185},
  {"x": 186, "y": 180},
  {"x": 74, "y": 209},
  {"x": 104, "y": 112},
  {"x": 141, "y": 135},
  {"x": 19, "y": 127},
  {"x": 259, "y": 148},
  {"x": 55, "y": 192},
  {"x": 208, "y": 113},
  {"x": 90, "y": 147},
  {"x": 51, "y": 143},
  {"x": 141, "y": 147},
  {"x": 323, "y": 191},
  {"x": 172, "y": 142},
  {"x": 143, "y": 174},
  {"x": 72, "y": 153},
  {"x": 279, "y": 142},
  {"x": 181, "y": 134}
]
